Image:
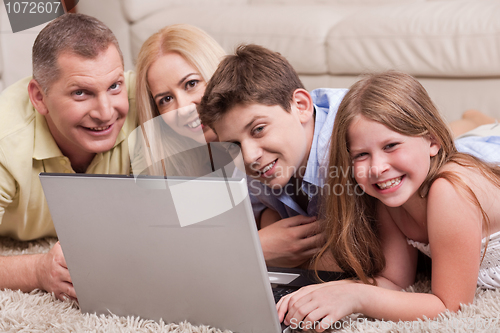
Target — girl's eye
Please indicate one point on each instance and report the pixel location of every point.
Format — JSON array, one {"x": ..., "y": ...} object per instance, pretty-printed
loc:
[
  {"x": 359, "y": 156},
  {"x": 391, "y": 145}
]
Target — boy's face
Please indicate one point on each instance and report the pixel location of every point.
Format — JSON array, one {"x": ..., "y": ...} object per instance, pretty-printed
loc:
[{"x": 275, "y": 143}]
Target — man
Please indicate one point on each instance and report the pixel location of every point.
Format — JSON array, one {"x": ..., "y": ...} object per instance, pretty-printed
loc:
[{"x": 72, "y": 116}]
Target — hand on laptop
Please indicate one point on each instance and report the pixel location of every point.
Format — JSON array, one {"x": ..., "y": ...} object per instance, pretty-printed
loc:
[
  {"x": 319, "y": 305},
  {"x": 290, "y": 242},
  {"x": 53, "y": 275}
]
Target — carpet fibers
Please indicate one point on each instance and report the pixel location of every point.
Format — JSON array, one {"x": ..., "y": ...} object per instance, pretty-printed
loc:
[{"x": 41, "y": 312}]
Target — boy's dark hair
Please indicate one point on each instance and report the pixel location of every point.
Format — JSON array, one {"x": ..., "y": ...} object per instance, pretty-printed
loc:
[
  {"x": 253, "y": 75},
  {"x": 79, "y": 34}
]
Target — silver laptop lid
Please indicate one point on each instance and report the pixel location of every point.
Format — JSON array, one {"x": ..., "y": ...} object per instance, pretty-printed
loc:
[{"x": 176, "y": 249}]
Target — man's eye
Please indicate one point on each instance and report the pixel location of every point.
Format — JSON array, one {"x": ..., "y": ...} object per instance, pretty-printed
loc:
[
  {"x": 79, "y": 93},
  {"x": 114, "y": 86}
]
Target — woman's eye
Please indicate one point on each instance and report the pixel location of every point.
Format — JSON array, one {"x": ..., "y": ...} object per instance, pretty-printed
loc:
[
  {"x": 192, "y": 83},
  {"x": 165, "y": 100}
]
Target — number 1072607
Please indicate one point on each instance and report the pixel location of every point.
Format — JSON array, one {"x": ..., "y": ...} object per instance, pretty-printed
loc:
[{"x": 27, "y": 7}]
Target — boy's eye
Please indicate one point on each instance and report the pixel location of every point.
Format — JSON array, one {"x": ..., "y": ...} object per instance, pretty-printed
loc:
[{"x": 258, "y": 130}]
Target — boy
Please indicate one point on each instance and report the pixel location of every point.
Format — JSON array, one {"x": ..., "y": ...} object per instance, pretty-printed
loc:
[{"x": 256, "y": 100}]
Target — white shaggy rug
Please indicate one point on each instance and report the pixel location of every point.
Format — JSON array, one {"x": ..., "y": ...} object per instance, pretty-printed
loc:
[{"x": 41, "y": 312}]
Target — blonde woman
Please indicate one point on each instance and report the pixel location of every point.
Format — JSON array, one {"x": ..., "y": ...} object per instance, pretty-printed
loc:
[{"x": 173, "y": 68}]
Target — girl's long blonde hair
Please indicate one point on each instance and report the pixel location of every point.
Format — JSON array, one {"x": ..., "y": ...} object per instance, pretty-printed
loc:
[
  {"x": 400, "y": 102},
  {"x": 204, "y": 54}
]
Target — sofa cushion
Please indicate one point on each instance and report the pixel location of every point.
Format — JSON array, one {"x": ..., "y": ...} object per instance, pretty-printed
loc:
[
  {"x": 137, "y": 9},
  {"x": 433, "y": 39},
  {"x": 328, "y": 2},
  {"x": 297, "y": 32}
]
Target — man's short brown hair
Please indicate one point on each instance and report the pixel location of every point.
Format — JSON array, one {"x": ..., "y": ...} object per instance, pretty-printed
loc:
[
  {"x": 253, "y": 75},
  {"x": 80, "y": 34}
]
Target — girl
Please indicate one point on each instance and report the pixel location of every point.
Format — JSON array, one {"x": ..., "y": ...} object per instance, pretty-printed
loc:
[{"x": 419, "y": 192}]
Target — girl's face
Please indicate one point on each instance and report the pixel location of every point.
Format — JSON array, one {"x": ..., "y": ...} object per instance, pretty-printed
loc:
[
  {"x": 387, "y": 165},
  {"x": 177, "y": 88}
]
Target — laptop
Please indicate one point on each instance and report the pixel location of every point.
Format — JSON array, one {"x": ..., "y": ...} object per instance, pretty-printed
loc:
[{"x": 179, "y": 249}]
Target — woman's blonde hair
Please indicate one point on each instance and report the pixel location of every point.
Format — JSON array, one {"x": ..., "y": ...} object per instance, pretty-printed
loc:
[
  {"x": 401, "y": 103},
  {"x": 199, "y": 50}
]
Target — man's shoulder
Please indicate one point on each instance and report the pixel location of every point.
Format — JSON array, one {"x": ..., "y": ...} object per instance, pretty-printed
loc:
[{"x": 16, "y": 110}]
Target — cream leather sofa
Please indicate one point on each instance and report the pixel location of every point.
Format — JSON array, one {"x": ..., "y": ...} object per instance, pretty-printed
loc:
[{"x": 452, "y": 46}]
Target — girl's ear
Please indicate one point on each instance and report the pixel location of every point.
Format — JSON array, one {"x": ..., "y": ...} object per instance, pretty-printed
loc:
[
  {"x": 302, "y": 102},
  {"x": 434, "y": 146}
]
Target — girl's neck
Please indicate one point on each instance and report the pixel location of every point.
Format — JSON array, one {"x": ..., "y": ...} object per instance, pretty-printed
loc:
[{"x": 416, "y": 210}]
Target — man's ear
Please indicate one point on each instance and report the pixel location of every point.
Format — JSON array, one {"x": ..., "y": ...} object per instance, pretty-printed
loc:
[
  {"x": 303, "y": 103},
  {"x": 37, "y": 97},
  {"x": 434, "y": 146}
]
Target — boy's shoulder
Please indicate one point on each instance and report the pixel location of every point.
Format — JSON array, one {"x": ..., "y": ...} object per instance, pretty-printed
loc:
[{"x": 328, "y": 97}]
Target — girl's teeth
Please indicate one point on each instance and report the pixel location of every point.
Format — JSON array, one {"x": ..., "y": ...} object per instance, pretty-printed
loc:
[
  {"x": 389, "y": 183},
  {"x": 267, "y": 168},
  {"x": 195, "y": 123}
]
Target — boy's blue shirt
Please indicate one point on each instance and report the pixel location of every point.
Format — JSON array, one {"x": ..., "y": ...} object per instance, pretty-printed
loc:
[{"x": 326, "y": 103}]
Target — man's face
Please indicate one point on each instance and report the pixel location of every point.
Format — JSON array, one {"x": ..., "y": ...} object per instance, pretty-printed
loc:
[
  {"x": 275, "y": 143},
  {"x": 86, "y": 107}
]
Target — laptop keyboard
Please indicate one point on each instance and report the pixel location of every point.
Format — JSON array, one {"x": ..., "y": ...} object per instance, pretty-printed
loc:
[{"x": 279, "y": 292}]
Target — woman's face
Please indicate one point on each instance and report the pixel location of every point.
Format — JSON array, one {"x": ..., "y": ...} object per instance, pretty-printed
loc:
[{"x": 177, "y": 88}]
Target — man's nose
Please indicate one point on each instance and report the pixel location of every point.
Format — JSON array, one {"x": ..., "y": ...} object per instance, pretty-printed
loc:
[{"x": 103, "y": 110}]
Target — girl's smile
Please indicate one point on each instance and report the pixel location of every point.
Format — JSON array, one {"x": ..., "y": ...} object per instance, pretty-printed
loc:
[{"x": 389, "y": 166}]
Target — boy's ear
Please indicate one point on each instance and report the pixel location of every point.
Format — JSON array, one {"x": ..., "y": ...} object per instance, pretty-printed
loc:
[
  {"x": 37, "y": 97},
  {"x": 302, "y": 102},
  {"x": 434, "y": 146}
]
